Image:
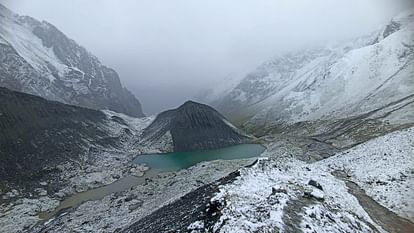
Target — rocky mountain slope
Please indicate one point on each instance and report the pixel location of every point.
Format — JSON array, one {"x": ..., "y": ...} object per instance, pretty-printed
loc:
[
  {"x": 369, "y": 78},
  {"x": 37, "y": 58},
  {"x": 51, "y": 151},
  {"x": 193, "y": 126},
  {"x": 40, "y": 140}
]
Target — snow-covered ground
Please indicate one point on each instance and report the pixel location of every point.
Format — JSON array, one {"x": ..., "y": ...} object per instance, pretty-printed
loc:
[
  {"x": 92, "y": 170},
  {"x": 23, "y": 213},
  {"x": 384, "y": 168},
  {"x": 277, "y": 192},
  {"x": 104, "y": 167},
  {"x": 121, "y": 209}
]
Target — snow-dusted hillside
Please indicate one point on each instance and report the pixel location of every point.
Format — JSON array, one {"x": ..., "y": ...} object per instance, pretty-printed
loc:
[
  {"x": 282, "y": 193},
  {"x": 332, "y": 82},
  {"x": 36, "y": 58},
  {"x": 51, "y": 150}
]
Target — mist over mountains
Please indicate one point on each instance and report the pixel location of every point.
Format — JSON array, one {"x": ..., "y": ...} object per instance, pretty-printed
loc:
[
  {"x": 167, "y": 53},
  {"x": 317, "y": 138},
  {"x": 38, "y": 59}
]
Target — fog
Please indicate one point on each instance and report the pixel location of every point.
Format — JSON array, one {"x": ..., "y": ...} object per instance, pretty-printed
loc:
[{"x": 169, "y": 51}]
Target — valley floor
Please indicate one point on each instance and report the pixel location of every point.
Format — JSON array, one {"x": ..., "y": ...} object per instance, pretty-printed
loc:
[{"x": 367, "y": 188}]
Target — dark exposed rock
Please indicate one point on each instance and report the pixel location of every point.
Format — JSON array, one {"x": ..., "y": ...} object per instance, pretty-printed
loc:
[
  {"x": 276, "y": 190},
  {"x": 194, "y": 126},
  {"x": 38, "y": 134},
  {"x": 313, "y": 194},
  {"x": 215, "y": 206},
  {"x": 177, "y": 216},
  {"x": 391, "y": 28},
  {"x": 315, "y": 184}
]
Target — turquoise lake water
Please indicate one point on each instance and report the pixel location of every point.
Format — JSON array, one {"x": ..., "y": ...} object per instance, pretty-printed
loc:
[{"x": 179, "y": 160}]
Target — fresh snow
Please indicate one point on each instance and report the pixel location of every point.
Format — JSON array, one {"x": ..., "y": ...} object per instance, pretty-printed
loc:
[
  {"x": 329, "y": 82},
  {"x": 17, "y": 216},
  {"x": 384, "y": 168},
  {"x": 260, "y": 198},
  {"x": 28, "y": 46}
]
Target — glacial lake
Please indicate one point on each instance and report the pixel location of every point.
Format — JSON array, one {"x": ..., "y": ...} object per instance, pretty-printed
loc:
[
  {"x": 158, "y": 163},
  {"x": 180, "y": 160}
]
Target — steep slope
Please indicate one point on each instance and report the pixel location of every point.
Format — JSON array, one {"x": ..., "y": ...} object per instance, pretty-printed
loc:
[
  {"x": 193, "y": 126},
  {"x": 369, "y": 76},
  {"x": 37, "y": 58},
  {"x": 36, "y": 133},
  {"x": 41, "y": 140}
]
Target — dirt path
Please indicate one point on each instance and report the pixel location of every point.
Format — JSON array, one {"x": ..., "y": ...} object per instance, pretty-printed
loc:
[{"x": 385, "y": 218}]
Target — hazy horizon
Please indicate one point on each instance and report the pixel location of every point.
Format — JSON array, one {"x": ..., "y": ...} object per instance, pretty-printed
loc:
[{"x": 168, "y": 52}]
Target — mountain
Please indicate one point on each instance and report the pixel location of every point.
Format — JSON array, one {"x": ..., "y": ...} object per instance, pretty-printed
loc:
[
  {"x": 193, "y": 126},
  {"x": 37, "y": 58},
  {"x": 366, "y": 78},
  {"x": 43, "y": 140}
]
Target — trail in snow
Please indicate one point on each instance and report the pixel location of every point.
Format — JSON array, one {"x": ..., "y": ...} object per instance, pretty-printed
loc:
[{"x": 387, "y": 219}]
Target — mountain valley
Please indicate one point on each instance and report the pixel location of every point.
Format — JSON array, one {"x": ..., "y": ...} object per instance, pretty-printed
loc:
[{"x": 327, "y": 135}]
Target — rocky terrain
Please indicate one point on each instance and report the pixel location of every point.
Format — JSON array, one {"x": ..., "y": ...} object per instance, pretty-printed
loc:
[
  {"x": 193, "y": 126},
  {"x": 337, "y": 123},
  {"x": 353, "y": 191},
  {"x": 37, "y": 58},
  {"x": 52, "y": 151},
  {"x": 40, "y": 140}
]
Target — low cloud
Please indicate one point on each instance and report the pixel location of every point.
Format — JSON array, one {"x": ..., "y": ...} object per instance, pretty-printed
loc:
[{"x": 168, "y": 51}]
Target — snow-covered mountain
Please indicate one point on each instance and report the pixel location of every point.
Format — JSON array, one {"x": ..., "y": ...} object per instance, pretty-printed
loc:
[
  {"x": 332, "y": 82},
  {"x": 37, "y": 58}
]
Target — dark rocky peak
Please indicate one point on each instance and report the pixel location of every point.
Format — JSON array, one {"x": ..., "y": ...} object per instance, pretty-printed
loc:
[{"x": 193, "y": 126}]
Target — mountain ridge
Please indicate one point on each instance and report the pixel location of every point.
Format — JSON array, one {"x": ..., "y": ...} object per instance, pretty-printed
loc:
[
  {"x": 329, "y": 83},
  {"x": 37, "y": 58}
]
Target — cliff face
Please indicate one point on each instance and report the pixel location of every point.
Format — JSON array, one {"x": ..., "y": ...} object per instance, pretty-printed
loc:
[
  {"x": 193, "y": 126},
  {"x": 37, "y": 58}
]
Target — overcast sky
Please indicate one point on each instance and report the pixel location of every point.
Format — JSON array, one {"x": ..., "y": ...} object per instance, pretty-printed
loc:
[{"x": 168, "y": 51}]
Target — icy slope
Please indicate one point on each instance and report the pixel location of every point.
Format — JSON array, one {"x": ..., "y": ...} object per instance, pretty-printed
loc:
[
  {"x": 36, "y": 58},
  {"x": 331, "y": 82},
  {"x": 281, "y": 192},
  {"x": 384, "y": 168}
]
